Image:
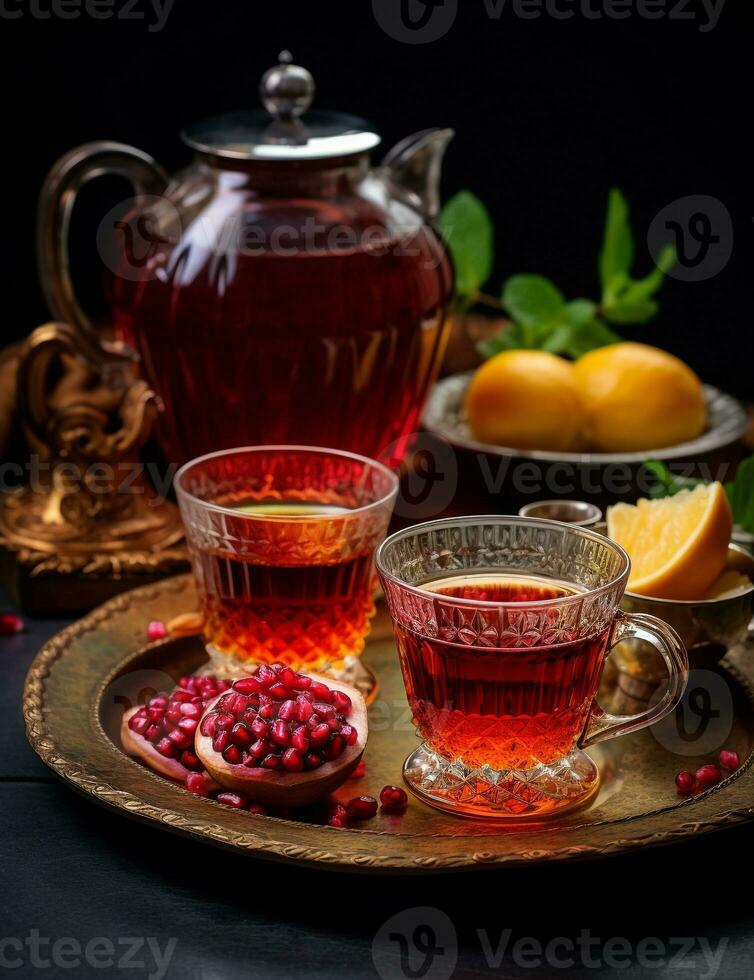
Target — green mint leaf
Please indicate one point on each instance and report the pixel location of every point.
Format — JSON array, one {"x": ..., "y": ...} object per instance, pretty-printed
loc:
[
  {"x": 510, "y": 338},
  {"x": 580, "y": 311},
  {"x": 575, "y": 339},
  {"x": 667, "y": 484},
  {"x": 617, "y": 252},
  {"x": 532, "y": 300},
  {"x": 467, "y": 228},
  {"x": 625, "y": 312},
  {"x": 741, "y": 495}
]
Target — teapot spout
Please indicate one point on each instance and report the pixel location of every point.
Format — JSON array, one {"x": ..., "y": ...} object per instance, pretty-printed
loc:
[{"x": 415, "y": 164}]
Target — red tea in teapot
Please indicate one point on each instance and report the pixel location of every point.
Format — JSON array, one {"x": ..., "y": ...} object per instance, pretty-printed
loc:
[{"x": 320, "y": 346}]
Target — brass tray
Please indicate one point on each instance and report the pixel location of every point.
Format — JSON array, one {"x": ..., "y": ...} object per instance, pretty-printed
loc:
[{"x": 85, "y": 677}]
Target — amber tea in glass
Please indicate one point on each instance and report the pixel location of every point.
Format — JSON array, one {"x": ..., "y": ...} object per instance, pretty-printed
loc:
[
  {"x": 282, "y": 542},
  {"x": 502, "y": 626}
]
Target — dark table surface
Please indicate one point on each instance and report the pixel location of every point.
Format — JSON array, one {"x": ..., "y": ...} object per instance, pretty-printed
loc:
[{"x": 85, "y": 893}]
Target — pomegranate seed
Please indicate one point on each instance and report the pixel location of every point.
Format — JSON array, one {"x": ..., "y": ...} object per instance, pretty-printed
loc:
[
  {"x": 237, "y": 704},
  {"x": 337, "y": 817},
  {"x": 333, "y": 724},
  {"x": 333, "y": 749},
  {"x": 188, "y": 725},
  {"x": 320, "y": 692},
  {"x": 292, "y": 760},
  {"x": 260, "y": 727},
  {"x": 299, "y": 738},
  {"x": 197, "y": 782},
  {"x": 271, "y": 762},
  {"x": 209, "y": 726},
  {"x": 156, "y": 631},
  {"x": 221, "y": 741},
  {"x": 342, "y": 702},
  {"x": 181, "y": 696},
  {"x": 191, "y": 710},
  {"x": 241, "y": 736},
  {"x": 232, "y": 755},
  {"x": 361, "y": 807},
  {"x": 729, "y": 760},
  {"x": 278, "y": 690},
  {"x": 152, "y": 732},
  {"x": 395, "y": 798},
  {"x": 167, "y": 748},
  {"x": 266, "y": 707},
  {"x": 280, "y": 733},
  {"x": 312, "y": 761},
  {"x": 359, "y": 770},
  {"x": 265, "y": 676},
  {"x": 174, "y": 713},
  {"x": 155, "y": 714},
  {"x": 288, "y": 710},
  {"x": 304, "y": 708},
  {"x": 707, "y": 776},
  {"x": 180, "y": 738},
  {"x": 138, "y": 724},
  {"x": 259, "y": 749},
  {"x": 258, "y": 808},
  {"x": 350, "y": 734},
  {"x": 159, "y": 701},
  {"x": 225, "y": 721},
  {"x": 319, "y": 733},
  {"x": 247, "y": 685},
  {"x": 190, "y": 761},
  {"x": 232, "y": 799},
  {"x": 288, "y": 677}
]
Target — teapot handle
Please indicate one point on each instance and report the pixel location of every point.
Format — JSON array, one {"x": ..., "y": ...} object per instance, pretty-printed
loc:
[{"x": 56, "y": 202}]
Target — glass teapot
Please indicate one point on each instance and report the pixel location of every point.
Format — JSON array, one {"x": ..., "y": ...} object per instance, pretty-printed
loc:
[{"x": 277, "y": 290}]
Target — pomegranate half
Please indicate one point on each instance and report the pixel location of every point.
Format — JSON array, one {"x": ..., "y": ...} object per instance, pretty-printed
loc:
[
  {"x": 282, "y": 738},
  {"x": 161, "y": 733}
]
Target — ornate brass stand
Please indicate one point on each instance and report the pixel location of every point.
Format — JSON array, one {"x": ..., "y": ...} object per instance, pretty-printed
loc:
[{"x": 86, "y": 523}]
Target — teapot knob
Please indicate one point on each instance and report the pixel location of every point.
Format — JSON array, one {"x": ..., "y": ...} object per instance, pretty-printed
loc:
[{"x": 287, "y": 90}]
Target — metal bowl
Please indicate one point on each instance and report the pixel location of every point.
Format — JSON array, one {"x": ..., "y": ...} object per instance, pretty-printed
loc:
[
  {"x": 443, "y": 416},
  {"x": 708, "y": 628}
]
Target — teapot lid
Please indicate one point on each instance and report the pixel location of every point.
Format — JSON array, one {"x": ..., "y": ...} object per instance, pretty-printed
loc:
[{"x": 286, "y": 130}]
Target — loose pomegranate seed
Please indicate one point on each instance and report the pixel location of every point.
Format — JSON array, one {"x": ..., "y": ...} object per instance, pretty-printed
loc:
[
  {"x": 288, "y": 710},
  {"x": 232, "y": 799},
  {"x": 278, "y": 690},
  {"x": 266, "y": 676},
  {"x": 258, "y": 808},
  {"x": 729, "y": 760},
  {"x": 288, "y": 677},
  {"x": 359, "y": 771},
  {"x": 395, "y": 798},
  {"x": 361, "y": 807},
  {"x": 197, "y": 782},
  {"x": 10, "y": 624},
  {"x": 156, "y": 630},
  {"x": 337, "y": 817},
  {"x": 303, "y": 683},
  {"x": 707, "y": 776},
  {"x": 304, "y": 708}
]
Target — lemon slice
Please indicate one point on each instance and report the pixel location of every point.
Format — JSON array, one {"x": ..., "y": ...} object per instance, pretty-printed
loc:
[{"x": 677, "y": 545}]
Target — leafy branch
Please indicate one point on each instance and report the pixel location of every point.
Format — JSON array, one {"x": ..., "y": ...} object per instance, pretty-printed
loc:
[{"x": 541, "y": 316}]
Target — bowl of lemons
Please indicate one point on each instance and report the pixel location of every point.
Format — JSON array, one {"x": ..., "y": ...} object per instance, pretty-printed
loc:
[{"x": 616, "y": 403}]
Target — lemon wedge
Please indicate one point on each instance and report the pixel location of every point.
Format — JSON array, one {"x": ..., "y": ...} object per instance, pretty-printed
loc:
[{"x": 677, "y": 545}]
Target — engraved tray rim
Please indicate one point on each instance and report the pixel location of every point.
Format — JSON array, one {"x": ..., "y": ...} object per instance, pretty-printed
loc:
[{"x": 165, "y": 804}]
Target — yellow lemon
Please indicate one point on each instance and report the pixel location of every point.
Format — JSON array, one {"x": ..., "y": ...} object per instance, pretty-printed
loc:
[
  {"x": 638, "y": 398},
  {"x": 677, "y": 545},
  {"x": 526, "y": 399}
]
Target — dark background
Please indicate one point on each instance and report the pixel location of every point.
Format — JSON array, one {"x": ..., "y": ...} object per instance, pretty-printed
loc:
[{"x": 549, "y": 114}]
